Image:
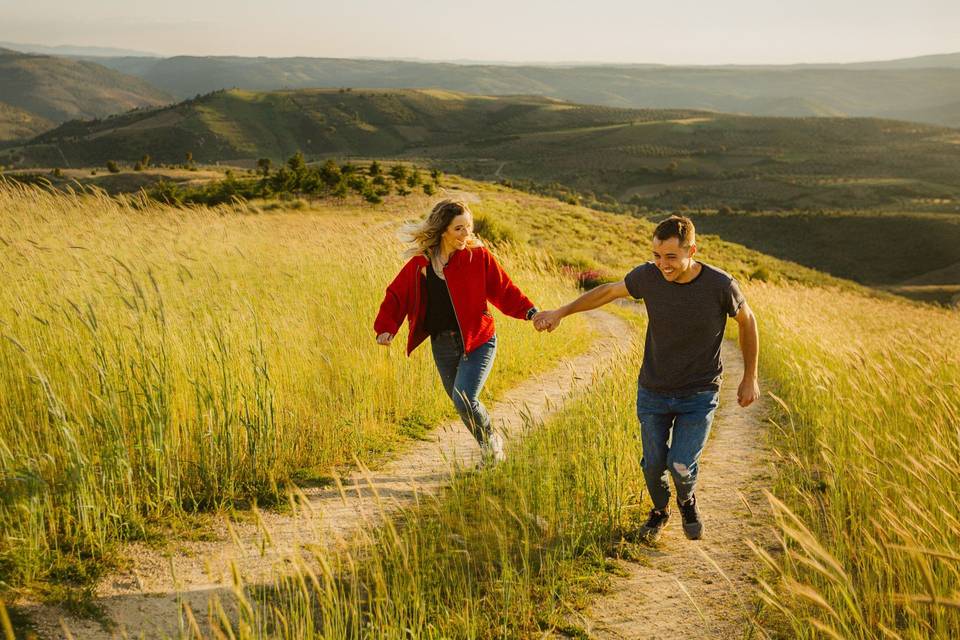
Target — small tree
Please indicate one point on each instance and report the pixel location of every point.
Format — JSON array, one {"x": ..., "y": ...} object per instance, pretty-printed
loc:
[
  {"x": 374, "y": 169},
  {"x": 399, "y": 173},
  {"x": 297, "y": 163},
  {"x": 330, "y": 174},
  {"x": 188, "y": 164},
  {"x": 263, "y": 166},
  {"x": 414, "y": 178},
  {"x": 112, "y": 166}
]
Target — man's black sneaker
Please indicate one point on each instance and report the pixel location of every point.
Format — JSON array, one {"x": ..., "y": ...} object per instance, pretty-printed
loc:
[
  {"x": 653, "y": 527},
  {"x": 692, "y": 524}
]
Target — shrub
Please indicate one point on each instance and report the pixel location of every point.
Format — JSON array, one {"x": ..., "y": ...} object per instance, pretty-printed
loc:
[
  {"x": 494, "y": 230},
  {"x": 592, "y": 278},
  {"x": 112, "y": 166}
]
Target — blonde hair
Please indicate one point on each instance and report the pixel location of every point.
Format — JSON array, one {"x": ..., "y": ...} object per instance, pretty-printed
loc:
[{"x": 424, "y": 236}]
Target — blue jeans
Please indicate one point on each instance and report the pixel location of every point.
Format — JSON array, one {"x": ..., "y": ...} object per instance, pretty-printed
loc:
[
  {"x": 463, "y": 376},
  {"x": 673, "y": 431}
]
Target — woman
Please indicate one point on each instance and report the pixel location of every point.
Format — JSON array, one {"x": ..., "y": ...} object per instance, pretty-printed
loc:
[{"x": 443, "y": 291}]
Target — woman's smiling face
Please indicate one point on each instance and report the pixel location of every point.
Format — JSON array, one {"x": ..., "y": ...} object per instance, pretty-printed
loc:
[{"x": 456, "y": 234}]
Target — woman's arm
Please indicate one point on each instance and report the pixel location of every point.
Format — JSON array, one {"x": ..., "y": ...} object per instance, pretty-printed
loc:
[
  {"x": 393, "y": 309},
  {"x": 501, "y": 291}
]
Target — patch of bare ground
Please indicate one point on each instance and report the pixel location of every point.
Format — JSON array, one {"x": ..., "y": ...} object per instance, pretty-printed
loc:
[
  {"x": 146, "y": 599},
  {"x": 700, "y": 589}
]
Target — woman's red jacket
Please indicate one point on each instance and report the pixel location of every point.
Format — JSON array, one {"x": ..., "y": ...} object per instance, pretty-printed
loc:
[{"x": 473, "y": 277}]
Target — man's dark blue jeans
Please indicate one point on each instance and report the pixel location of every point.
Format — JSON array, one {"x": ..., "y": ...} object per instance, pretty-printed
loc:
[
  {"x": 463, "y": 377},
  {"x": 673, "y": 430}
]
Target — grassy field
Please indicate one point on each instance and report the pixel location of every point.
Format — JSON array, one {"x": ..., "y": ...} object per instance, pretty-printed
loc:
[
  {"x": 155, "y": 362},
  {"x": 147, "y": 350},
  {"x": 867, "y": 453},
  {"x": 507, "y": 553}
]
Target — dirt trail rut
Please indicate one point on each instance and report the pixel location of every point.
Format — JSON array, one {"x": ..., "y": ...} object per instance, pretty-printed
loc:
[
  {"x": 676, "y": 589},
  {"x": 146, "y": 598}
]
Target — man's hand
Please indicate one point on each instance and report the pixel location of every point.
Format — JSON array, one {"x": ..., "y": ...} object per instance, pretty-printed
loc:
[
  {"x": 384, "y": 339},
  {"x": 748, "y": 391},
  {"x": 547, "y": 320}
]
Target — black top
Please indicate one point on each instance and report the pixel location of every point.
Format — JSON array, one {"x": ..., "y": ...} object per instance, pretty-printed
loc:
[
  {"x": 685, "y": 324},
  {"x": 440, "y": 314}
]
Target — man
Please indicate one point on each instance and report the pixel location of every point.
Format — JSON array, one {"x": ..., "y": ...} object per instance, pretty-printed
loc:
[{"x": 687, "y": 304}]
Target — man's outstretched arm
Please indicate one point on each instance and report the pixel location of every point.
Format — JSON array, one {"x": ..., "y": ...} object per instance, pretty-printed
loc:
[
  {"x": 596, "y": 297},
  {"x": 749, "y": 389}
]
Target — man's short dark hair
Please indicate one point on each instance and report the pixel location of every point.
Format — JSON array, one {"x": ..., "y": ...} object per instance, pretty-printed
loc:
[{"x": 679, "y": 227}]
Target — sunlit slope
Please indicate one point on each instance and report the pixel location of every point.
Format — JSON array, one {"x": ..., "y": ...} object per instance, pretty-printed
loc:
[{"x": 243, "y": 124}]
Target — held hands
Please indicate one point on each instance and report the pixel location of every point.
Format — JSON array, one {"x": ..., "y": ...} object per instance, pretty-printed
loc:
[
  {"x": 547, "y": 320},
  {"x": 384, "y": 339},
  {"x": 748, "y": 391}
]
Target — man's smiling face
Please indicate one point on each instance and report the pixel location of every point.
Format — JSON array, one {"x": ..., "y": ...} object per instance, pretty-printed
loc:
[{"x": 673, "y": 260}]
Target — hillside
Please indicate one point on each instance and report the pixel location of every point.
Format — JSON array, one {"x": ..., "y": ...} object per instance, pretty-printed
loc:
[
  {"x": 649, "y": 158},
  {"x": 924, "y": 89},
  {"x": 58, "y": 89},
  {"x": 20, "y": 124}
]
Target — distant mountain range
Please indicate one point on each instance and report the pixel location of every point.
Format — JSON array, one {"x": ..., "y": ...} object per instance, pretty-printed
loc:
[
  {"x": 38, "y": 91},
  {"x": 74, "y": 50},
  {"x": 656, "y": 158},
  {"x": 922, "y": 89}
]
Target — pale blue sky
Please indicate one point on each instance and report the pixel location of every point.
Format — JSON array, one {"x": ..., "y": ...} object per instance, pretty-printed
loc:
[{"x": 671, "y": 31}]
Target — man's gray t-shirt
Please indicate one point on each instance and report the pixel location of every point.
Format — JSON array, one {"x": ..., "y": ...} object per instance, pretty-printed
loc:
[{"x": 685, "y": 324}]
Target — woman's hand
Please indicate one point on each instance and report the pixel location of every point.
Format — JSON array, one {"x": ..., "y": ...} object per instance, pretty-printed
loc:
[
  {"x": 547, "y": 320},
  {"x": 384, "y": 339}
]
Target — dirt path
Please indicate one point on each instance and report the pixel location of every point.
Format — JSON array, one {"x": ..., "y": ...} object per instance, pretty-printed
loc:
[
  {"x": 146, "y": 598},
  {"x": 675, "y": 590}
]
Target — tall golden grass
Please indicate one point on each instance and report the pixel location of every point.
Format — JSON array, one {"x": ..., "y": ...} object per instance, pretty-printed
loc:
[
  {"x": 155, "y": 361},
  {"x": 867, "y": 452}
]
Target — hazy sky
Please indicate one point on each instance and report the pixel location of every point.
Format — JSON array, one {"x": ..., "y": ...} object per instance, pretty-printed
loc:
[{"x": 671, "y": 31}]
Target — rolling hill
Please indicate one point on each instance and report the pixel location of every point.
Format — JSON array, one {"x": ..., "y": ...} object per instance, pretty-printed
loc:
[
  {"x": 925, "y": 89},
  {"x": 51, "y": 90},
  {"x": 649, "y": 158},
  {"x": 20, "y": 124}
]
